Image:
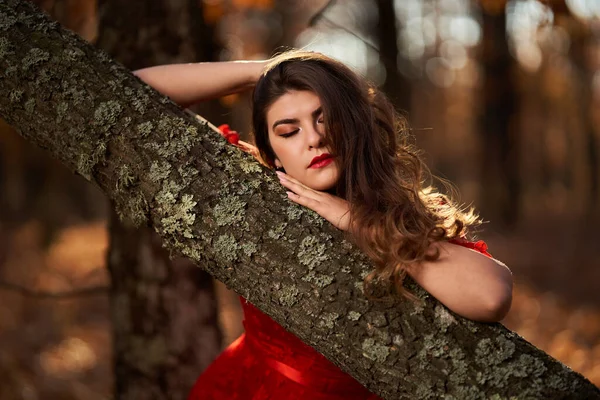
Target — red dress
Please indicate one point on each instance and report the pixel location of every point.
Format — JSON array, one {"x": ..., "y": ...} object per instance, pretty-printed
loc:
[{"x": 268, "y": 362}]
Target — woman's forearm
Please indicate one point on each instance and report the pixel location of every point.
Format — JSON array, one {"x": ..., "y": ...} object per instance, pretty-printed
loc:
[
  {"x": 467, "y": 282},
  {"x": 187, "y": 84}
]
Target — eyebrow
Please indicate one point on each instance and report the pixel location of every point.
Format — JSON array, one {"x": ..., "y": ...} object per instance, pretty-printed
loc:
[{"x": 314, "y": 114}]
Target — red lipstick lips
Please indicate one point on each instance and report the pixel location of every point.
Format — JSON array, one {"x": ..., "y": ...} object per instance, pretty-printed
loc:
[{"x": 321, "y": 161}]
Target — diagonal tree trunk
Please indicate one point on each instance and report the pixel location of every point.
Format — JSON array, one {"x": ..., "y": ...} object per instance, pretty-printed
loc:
[
  {"x": 169, "y": 307},
  {"x": 216, "y": 205}
]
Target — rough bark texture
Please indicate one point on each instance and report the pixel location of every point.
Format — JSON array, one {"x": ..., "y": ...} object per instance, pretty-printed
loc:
[
  {"x": 164, "y": 313},
  {"x": 219, "y": 207},
  {"x": 164, "y": 320}
]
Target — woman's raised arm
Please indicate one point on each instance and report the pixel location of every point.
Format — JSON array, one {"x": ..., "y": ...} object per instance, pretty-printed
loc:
[{"x": 187, "y": 84}]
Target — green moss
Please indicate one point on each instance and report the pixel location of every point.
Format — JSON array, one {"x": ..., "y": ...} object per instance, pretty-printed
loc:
[
  {"x": 288, "y": 295},
  {"x": 248, "y": 187},
  {"x": 187, "y": 173},
  {"x": 182, "y": 137},
  {"x": 229, "y": 211},
  {"x": 353, "y": 316},
  {"x": 176, "y": 127},
  {"x": 312, "y": 217},
  {"x": 6, "y": 47},
  {"x": 434, "y": 346},
  {"x": 10, "y": 71},
  {"x": 557, "y": 382},
  {"x": 107, "y": 114},
  {"x": 525, "y": 366},
  {"x": 159, "y": 171},
  {"x": 377, "y": 319},
  {"x": 7, "y": 22},
  {"x": 328, "y": 320},
  {"x": 461, "y": 368},
  {"x": 312, "y": 252},
  {"x": 42, "y": 78},
  {"x": 133, "y": 209},
  {"x": 193, "y": 250},
  {"x": 226, "y": 247},
  {"x": 77, "y": 95},
  {"x": 374, "y": 351},
  {"x": 398, "y": 341},
  {"x": 319, "y": 280},
  {"x": 86, "y": 162},
  {"x": 168, "y": 194},
  {"x": 278, "y": 231},
  {"x": 30, "y": 105},
  {"x": 443, "y": 318},
  {"x": 73, "y": 54},
  {"x": 494, "y": 352},
  {"x": 15, "y": 95},
  {"x": 125, "y": 177},
  {"x": 294, "y": 212},
  {"x": 180, "y": 217},
  {"x": 248, "y": 248},
  {"x": 249, "y": 165},
  {"x": 34, "y": 57},
  {"x": 469, "y": 393},
  {"x": 139, "y": 102},
  {"x": 61, "y": 111}
]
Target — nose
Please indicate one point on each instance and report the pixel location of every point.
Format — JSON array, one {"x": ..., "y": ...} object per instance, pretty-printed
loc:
[{"x": 314, "y": 138}]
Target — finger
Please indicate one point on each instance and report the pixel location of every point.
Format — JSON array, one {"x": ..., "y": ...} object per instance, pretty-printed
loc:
[
  {"x": 283, "y": 176},
  {"x": 298, "y": 187},
  {"x": 305, "y": 201}
]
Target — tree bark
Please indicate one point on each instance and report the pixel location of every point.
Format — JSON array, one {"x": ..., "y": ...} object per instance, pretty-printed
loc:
[
  {"x": 216, "y": 205},
  {"x": 169, "y": 307}
]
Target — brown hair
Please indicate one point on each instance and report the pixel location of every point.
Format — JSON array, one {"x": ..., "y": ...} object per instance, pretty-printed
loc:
[{"x": 395, "y": 216}]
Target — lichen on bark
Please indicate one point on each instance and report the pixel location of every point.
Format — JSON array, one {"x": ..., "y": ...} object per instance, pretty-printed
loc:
[{"x": 163, "y": 167}]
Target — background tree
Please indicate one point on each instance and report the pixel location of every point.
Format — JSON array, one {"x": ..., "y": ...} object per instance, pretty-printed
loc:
[
  {"x": 164, "y": 312},
  {"x": 499, "y": 125}
]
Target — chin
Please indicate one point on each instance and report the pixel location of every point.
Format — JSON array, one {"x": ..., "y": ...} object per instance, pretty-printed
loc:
[
  {"x": 323, "y": 188},
  {"x": 324, "y": 185}
]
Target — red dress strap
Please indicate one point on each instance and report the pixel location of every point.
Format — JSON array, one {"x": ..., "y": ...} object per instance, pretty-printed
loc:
[{"x": 479, "y": 245}]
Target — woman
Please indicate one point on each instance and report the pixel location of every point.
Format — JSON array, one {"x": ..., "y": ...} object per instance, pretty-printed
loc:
[{"x": 340, "y": 149}]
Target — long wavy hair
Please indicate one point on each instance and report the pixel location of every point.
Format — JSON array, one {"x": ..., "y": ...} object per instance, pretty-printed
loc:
[{"x": 395, "y": 215}]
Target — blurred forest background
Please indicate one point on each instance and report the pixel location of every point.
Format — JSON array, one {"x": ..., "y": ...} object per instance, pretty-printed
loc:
[{"x": 502, "y": 96}]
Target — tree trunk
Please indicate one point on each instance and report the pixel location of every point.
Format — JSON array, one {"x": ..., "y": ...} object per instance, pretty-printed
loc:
[
  {"x": 216, "y": 205},
  {"x": 500, "y": 166},
  {"x": 164, "y": 313},
  {"x": 396, "y": 86}
]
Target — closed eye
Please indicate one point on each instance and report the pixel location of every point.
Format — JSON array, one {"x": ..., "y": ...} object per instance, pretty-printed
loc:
[{"x": 287, "y": 135}]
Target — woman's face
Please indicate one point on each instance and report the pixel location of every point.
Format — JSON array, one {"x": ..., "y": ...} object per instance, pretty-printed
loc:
[{"x": 296, "y": 131}]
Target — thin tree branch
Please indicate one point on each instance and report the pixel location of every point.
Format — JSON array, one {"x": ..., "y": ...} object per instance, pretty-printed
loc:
[
  {"x": 88, "y": 291},
  {"x": 320, "y": 16}
]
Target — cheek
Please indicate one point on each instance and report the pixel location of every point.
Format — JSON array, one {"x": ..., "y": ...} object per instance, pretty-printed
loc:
[{"x": 283, "y": 153}]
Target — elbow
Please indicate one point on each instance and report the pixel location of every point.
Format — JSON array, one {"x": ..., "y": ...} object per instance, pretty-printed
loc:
[
  {"x": 498, "y": 302},
  {"x": 499, "y": 307}
]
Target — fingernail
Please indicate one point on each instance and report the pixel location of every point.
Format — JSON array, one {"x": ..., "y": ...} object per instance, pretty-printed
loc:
[{"x": 279, "y": 173}]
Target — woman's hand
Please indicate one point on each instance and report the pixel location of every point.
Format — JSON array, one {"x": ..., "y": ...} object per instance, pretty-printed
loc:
[{"x": 334, "y": 209}]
